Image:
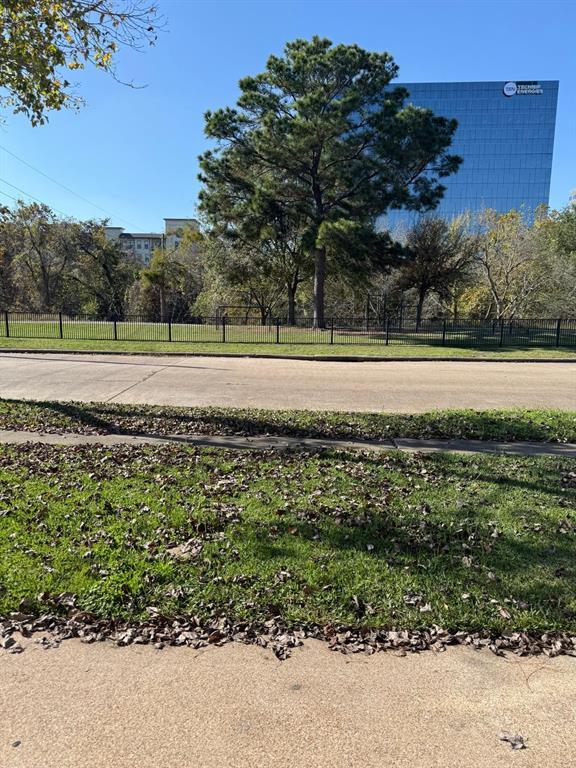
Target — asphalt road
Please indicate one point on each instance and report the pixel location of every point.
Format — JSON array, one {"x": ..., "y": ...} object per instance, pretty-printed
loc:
[
  {"x": 412, "y": 386},
  {"x": 238, "y": 707}
]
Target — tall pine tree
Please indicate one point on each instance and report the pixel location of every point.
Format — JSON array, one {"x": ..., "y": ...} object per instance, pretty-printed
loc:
[{"x": 321, "y": 131}]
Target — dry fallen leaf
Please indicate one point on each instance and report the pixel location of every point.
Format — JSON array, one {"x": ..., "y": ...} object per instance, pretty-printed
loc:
[{"x": 515, "y": 740}]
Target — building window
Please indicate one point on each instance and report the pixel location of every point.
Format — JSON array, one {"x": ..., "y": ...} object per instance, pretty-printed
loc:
[{"x": 139, "y": 245}]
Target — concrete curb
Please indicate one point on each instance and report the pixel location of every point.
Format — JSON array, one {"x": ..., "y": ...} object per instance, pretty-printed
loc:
[
  {"x": 269, "y": 442},
  {"x": 311, "y": 358}
]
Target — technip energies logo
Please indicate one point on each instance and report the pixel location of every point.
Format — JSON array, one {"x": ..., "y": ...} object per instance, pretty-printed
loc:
[{"x": 522, "y": 88}]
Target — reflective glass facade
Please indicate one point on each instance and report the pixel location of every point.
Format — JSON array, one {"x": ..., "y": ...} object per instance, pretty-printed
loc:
[{"x": 505, "y": 136}]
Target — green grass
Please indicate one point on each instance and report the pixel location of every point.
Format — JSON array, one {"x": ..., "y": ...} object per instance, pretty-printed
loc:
[
  {"x": 466, "y": 543},
  {"x": 546, "y": 425},
  {"x": 407, "y": 348},
  {"x": 473, "y": 335}
]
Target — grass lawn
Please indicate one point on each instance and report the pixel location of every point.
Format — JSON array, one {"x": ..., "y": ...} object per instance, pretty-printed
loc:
[
  {"x": 375, "y": 350},
  {"x": 481, "y": 543},
  {"x": 516, "y": 424},
  {"x": 235, "y": 329}
]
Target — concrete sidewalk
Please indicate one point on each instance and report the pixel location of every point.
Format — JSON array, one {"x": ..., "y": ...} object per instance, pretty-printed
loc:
[
  {"x": 280, "y": 443},
  {"x": 408, "y": 387},
  {"x": 239, "y": 707}
]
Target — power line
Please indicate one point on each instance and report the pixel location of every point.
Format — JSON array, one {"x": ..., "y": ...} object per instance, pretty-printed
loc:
[
  {"x": 63, "y": 186},
  {"x": 10, "y": 196},
  {"x": 30, "y": 196}
]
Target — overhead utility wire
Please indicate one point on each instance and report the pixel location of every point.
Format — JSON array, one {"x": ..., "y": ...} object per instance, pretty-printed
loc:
[
  {"x": 10, "y": 196},
  {"x": 63, "y": 186},
  {"x": 30, "y": 196}
]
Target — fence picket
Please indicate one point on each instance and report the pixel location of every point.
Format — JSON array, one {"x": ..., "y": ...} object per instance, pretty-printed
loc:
[{"x": 389, "y": 330}]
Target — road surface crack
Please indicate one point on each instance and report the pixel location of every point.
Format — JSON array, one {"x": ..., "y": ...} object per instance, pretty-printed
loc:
[{"x": 136, "y": 384}]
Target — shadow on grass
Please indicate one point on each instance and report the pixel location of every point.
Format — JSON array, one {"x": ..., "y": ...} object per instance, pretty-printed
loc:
[
  {"x": 464, "y": 339},
  {"x": 402, "y": 543},
  {"x": 535, "y": 572},
  {"x": 513, "y": 481},
  {"x": 544, "y": 426}
]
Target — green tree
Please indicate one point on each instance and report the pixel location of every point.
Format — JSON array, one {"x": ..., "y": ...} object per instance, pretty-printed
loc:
[
  {"x": 43, "y": 251},
  {"x": 42, "y": 40},
  {"x": 51, "y": 264},
  {"x": 265, "y": 231},
  {"x": 555, "y": 264},
  {"x": 103, "y": 272},
  {"x": 172, "y": 281},
  {"x": 7, "y": 288},
  {"x": 438, "y": 256},
  {"x": 563, "y": 230},
  {"x": 242, "y": 272},
  {"x": 162, "y": 275},
  {"x": 321, "y": 131},
  {"x": 357, "y": 254},
  {"x": 507, "y": 262},
  {"x": 8, "y": 292},
  {"x": 189, "y": 255}
]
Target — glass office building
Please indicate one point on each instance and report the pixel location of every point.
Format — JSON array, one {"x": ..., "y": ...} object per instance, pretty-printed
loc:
[{"x": 505, "y": 136}]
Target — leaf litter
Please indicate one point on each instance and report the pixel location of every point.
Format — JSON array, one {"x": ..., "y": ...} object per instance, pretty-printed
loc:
[{"x": 191, "y": 505}]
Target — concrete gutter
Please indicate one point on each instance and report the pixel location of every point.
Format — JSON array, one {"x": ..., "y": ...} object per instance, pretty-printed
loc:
[
  {"x": 280, "y": 443},
  {"x": 312, "y": 358}
]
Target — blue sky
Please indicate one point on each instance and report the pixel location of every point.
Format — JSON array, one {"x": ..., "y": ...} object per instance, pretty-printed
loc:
[{"x": 134, "y": 152}]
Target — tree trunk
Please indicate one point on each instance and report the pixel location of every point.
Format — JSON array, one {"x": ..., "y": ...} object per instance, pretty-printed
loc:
[
  {"x": 46, "y": 297},
  {"x": 455, "y": 309},
  {"x": 319, "y": 281},
  {"x": 291, "y": 318},
  {"x": 419, "y": 308},
  {"x": 162, "y": 305}
]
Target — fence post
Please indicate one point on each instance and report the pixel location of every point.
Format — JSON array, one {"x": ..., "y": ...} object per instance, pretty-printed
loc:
[
  {"x": 6, "y": 324},
  {"x": 277, "y": 330},
  {"x": 60, "y": 324},
  {"x": 115, "y": 330},
  {"x": 558, "y": 326},
  {"x": 501, "y": 332},
  {"x": 169, "y": 330},
  {"x": 332, "y": 331},
  {"x": 387, "y": 331},
  {"x": 223, "y": 328},
  {"x": 444, "y": 333}
]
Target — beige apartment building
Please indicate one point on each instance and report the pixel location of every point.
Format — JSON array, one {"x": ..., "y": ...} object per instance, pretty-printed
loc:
[{"x": 142, "y": 244}]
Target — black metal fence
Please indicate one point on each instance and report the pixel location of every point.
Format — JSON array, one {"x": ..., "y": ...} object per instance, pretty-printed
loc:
[{"x": 241, "y": 330}]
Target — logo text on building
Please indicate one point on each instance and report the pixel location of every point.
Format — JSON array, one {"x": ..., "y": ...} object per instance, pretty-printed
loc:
[{"x": 525, "y": 88}]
